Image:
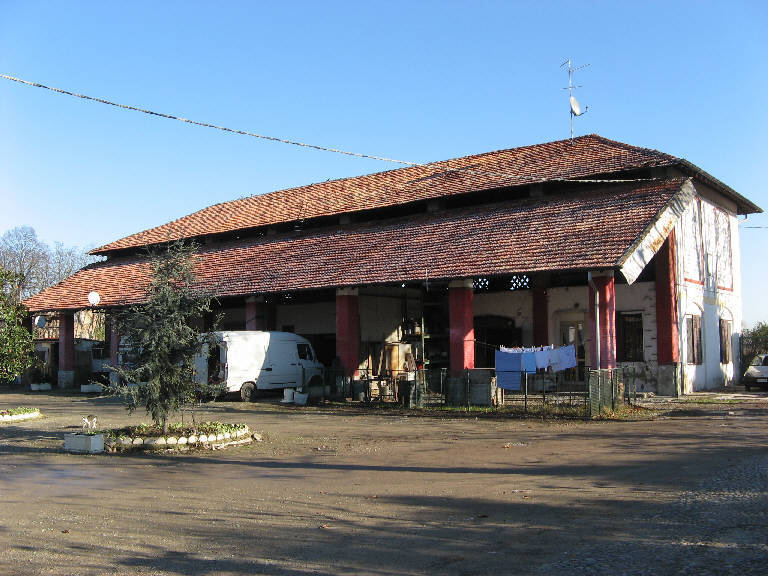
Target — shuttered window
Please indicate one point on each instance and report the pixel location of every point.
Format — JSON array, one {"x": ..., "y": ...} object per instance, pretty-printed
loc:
[
  {"x": 693, "y": 330},
  {"x": 725, "y": 341}
]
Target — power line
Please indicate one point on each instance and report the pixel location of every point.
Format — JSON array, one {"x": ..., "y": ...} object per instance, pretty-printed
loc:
[
  {"x": 207, "y": 125},
  {"x": 314, "y": 146}
]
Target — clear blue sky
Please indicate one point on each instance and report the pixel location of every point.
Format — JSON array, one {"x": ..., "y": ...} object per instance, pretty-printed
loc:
[{"x": 419, "y": 81}]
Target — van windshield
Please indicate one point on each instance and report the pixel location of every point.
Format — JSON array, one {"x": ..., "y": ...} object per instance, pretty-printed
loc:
[{"x": 305, "y": 352}]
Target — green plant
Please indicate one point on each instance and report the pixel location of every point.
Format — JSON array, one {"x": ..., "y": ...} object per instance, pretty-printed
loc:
[
  {"x": 151, "y": 430},
  {"x": 16, "y": 347},
  {"x": 754, "y": 341},
  {"x": 18, "y": 410},
  {"x": 164, "y": 339}
]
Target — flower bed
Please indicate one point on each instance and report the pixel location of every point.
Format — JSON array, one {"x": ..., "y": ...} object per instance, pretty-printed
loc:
[
  {"x": 19, "y": 413},
  {"x": 209, "y": 435}
]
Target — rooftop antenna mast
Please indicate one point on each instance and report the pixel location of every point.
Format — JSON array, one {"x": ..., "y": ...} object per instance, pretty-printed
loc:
[{"x": 575, "y": 107}]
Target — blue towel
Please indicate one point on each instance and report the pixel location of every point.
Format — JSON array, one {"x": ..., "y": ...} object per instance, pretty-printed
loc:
[
  {"x": 508, "y": 368},
  {"x": 529, "y": 362},
  {"x": 508, "y": 380}
]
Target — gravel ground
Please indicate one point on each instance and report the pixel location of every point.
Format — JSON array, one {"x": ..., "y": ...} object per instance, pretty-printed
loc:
[{"x": 352, "y": 492}]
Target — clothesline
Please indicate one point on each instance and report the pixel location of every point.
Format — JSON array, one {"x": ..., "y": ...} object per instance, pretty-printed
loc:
[{"x": 512, "y": 363}]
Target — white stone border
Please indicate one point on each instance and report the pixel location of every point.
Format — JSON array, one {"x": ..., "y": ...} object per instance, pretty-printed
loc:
[
  {"x": 165, "y": 442},
  {"x": 16, "y": 417}
]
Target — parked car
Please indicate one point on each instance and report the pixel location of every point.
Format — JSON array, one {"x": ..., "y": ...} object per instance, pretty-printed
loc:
[
  {"x": 757, "y": 373},
  {"x": 251, "y": 360}
]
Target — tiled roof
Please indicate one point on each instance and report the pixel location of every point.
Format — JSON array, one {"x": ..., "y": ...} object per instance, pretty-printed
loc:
[
  {"x": 583, "y": 157},
  {"x": 569, "y": 231}
]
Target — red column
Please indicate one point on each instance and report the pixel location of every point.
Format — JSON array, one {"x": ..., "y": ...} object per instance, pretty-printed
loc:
[
  {"x": 667, "y": 338},
  {"x": 462, "y": 328},
  {"x": 540, "y": 317},
  {"x": 606, "y": 291},
  {"x": 66, "y": 349},
  {"x": 348, "y": 330},
  {"x": 252, "y": 314}
]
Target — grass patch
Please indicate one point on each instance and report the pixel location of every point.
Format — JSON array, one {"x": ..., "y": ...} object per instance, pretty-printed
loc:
[{"x": 707, "y": 400}]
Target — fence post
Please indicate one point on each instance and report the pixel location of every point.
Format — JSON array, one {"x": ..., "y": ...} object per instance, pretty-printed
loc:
[{"x": 526, "y": 394}]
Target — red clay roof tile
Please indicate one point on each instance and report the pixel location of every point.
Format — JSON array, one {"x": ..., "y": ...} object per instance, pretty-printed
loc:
[
  {"x": 584, "y": 156},
  {"x": 567, "y": 231}
]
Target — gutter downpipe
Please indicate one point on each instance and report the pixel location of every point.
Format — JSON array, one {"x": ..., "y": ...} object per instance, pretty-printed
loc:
[{"x": 597, "y": 319}]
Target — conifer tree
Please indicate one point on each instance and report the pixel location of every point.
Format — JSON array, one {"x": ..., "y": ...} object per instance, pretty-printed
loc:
[{"x": 163, "y": 335}]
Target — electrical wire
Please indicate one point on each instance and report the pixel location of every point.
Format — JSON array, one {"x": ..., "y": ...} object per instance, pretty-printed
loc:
[
  {"x": 516, "y": 177},
  {"x": 208, "y": 125}
]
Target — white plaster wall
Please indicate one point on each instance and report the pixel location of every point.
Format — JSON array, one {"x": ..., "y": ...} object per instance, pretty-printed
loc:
[
  {"x": 566, "y": 304},
  {"x": 717, "y": 295},
  {"x": 315, "y": 318},
  {"x": 514, "y": 304}
]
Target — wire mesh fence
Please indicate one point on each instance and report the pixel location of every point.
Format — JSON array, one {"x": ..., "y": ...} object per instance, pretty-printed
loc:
[{"x": 577, "y": 392}]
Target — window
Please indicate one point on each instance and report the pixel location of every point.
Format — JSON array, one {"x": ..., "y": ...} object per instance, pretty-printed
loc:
[
  {"x": 305, "y": 352},
  {"x": 629, "y": 337},
  {"x": 725, "y": 341},
  {"x": 693, "y": 331}
]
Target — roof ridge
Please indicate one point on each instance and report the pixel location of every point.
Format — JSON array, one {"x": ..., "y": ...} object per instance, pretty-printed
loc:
[{"x": 548, "y": 165}]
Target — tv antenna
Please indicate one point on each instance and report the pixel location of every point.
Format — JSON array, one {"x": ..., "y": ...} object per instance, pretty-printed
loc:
[{"x": 575, "y": 106}]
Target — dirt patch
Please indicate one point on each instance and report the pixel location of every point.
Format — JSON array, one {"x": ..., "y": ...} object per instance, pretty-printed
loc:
[{"x": 351, "y": 492}]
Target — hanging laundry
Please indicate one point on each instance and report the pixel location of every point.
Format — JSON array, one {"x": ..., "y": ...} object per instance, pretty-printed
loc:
[
  {"x": 508, "y": 369},
  {"x": 555, "y": 360},
  {"x": 568, "y": 357},
  {"x": 529, "y": 362},
  {"x": 542, "y": 358}
]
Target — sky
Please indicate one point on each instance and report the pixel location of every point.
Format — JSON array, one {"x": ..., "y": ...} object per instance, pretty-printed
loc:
[{"x": 417, "y": 81}]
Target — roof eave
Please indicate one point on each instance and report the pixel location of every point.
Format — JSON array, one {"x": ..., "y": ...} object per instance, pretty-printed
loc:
[
  {"x": 645, "y": 247},
  {"x": 743, "y": 206}
]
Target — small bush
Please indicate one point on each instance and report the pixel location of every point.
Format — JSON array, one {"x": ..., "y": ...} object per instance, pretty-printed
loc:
[{"x": 18, "y": 410}]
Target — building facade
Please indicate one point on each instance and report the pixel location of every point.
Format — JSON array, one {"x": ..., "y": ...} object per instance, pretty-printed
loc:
[{"x": 630, "y": 254}]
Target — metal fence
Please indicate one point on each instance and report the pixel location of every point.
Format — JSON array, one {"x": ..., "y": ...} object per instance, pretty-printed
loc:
[
  {"x": 578, "y": 392},
  {"x": 608, "y": 389}
]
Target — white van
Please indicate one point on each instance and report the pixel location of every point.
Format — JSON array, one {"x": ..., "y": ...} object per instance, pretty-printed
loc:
[{"x": 252, "y": 360}]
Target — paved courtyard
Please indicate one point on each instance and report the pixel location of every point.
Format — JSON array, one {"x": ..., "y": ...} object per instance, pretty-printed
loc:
[{"x": 334, "y": 491}]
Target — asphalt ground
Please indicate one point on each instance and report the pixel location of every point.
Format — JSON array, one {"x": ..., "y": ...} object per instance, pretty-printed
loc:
[{"x": 353, "y": 491}]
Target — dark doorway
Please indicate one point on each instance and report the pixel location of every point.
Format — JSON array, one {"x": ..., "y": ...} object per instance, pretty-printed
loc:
[{"x": 492, "y": 332}]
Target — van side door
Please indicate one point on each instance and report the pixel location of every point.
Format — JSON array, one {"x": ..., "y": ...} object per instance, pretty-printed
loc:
[{"x": 282, "y": 367}]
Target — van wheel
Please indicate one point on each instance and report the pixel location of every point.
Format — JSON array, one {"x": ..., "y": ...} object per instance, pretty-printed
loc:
[
  {"x": 248, "y": 392},
  {"x": 315, "y": 381}
]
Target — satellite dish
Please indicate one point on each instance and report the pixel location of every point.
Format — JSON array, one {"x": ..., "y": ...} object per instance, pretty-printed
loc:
[
  {"x": 40, "y": 322},
  {"x": 94, "y": 298},
  {"x": 575, "y": 107}
]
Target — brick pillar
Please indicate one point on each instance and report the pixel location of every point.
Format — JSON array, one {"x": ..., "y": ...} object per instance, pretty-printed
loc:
[
  {"x": 606, "y": 316},
  {"x": 667, "y": 339},
  {"x": 348, "y": 330},
  {"x": 462, "y": 328},
  {"x": 253, "y": 320},
  {"x": 66, "y": 349},
  {"x": 540, "y": 317}
]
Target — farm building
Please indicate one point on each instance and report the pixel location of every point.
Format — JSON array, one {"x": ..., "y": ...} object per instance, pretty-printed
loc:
[{"x": 628, "y": 253}]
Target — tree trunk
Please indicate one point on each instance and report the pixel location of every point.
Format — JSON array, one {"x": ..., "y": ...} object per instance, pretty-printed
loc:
[{"x": 165, "y": 424}]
